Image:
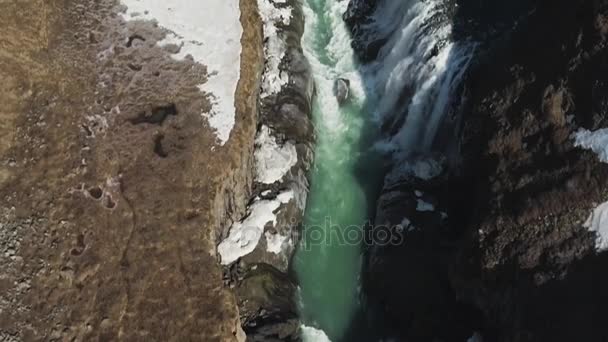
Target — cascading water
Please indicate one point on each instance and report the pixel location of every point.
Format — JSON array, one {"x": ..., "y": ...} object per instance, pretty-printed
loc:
[
  {"x": 328, "y": 272},
  {"x": 412, "y": 78},
  {"x": 418, "y": 64}
]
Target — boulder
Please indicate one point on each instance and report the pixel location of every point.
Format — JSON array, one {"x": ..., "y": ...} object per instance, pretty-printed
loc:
[{"x": 342, "y": 90}]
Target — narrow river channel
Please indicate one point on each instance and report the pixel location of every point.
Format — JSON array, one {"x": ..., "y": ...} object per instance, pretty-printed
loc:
[
  {"x": 350, "y": 152},
  {"x": 327, "y": 265}
]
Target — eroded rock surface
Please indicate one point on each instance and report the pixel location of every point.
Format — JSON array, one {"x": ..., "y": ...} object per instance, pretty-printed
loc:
[
  {"x": 534, "y": 189},
  {"x": 113, "y": 198},
  {"x": 341, "y": 90},
  {"x": 258, "y": 248},
  {"x": 513, "y": 257}
]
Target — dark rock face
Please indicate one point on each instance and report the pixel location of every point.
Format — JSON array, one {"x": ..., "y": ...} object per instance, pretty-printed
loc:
[
  {"x": 532, "y": 188},
  {"x": 409, "y": 280},
  {"x": 366, "y": 43},
  {"x": 512, "y": 259},
  {"x": 264, "y": 291},
  {"x": 266, "y": 305}
]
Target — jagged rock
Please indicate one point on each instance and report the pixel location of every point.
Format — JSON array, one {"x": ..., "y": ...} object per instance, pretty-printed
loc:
[
  {"x": 533, "y": 188},
  {"x": 283, "y": 156},
  {"x": 407, "y": 279},
  {"x": 366, "y": 43},
  {"x": 266, "y": 305},
  {"x": 341, "y": 90},
  {"x": 516, "y": 201}
]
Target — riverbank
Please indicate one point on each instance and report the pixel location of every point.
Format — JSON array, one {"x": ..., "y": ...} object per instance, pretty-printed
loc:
[
  {"x": 257, "y": 251},
  {"x": 521, "y": 230},
  {"x": 328, "y": 268}
]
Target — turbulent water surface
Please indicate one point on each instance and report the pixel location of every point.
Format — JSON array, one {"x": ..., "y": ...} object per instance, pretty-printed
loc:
[
  {"x": 413, "y": 77},
  {"x": 328, "y": 272}
]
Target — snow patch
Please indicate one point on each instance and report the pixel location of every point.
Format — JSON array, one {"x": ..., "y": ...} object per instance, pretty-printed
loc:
[
  {"x": 406, "y": 224},
  {"x": 272, "y": 161},
  {"x": 597, "y": 141},
  {"x": 274, "y": 242},
  {"x": 424, "y": 206},
  {"x": 598, "y": 223},
  {"x": 209, "y": 31},
  {"x": 475, "y": 338},
  {"x": 310, "y": 334},
  {"x": 244, "y": 236},
  {"x": 274, "y": 45}
]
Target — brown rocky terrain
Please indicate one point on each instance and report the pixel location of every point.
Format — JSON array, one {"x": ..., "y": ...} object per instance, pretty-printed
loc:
[{"x": 112, "y": 197}]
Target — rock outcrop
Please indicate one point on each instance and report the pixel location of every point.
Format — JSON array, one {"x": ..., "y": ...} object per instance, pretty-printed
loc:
[
  {"x": 259, "y": 247},
  {"x": 341, "y": 90},
  {"x": 506, "y": 250},
  {"x": 365, "y": 42},
  {"x": 531, "y": 188}
]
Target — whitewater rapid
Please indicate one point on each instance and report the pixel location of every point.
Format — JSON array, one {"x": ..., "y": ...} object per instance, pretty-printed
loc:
[
  {"x": 336, "y": 198},
  {"x": 419, "y": 57},
  {"x": 414, "y": 76}
]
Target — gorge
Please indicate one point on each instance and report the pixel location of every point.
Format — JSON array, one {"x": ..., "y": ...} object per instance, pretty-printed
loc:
[
  {"x": 303, "y": 170},
  {"x": 473, "y": 136}
]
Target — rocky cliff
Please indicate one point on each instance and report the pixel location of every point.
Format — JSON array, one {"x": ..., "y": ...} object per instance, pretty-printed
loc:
[
  {"x": 258, "y": 249},
  {"x": 506, "y": 248},
  {"x": 533, "y": 190},
  {"x": 117, "y": 193}
]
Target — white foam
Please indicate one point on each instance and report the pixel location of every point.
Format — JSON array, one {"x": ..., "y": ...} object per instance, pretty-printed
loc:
[
  {"x": 244, "y": 236},
  {"x": 341, "y": 64},
  {"x": 310, "y": 334},
  {"x": 418, "y": 56},
  {"x": 209, "y": 31},
  {"x": 597, "y": 141},
  {"x": 272, "y": 161}
]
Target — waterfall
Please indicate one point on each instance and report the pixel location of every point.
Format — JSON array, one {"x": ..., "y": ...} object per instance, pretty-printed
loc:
[
  {"x": 416, "y": 71},
  {"x": 408, "y": 86}
]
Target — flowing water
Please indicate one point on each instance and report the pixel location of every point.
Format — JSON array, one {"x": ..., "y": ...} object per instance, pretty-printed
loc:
[
  {"x": 350, "y": 150},
  {"x": 328, "y": 272}
]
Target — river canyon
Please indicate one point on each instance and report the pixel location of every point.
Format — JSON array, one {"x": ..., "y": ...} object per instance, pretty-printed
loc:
[{"x": 303, "y": 170}]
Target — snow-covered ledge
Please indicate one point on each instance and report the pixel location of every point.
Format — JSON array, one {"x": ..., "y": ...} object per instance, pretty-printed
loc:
[
  {"x": 209, "y": 32},
  {"x": 273, "y": 161},
  {"x": 244, "y": 236},
  {"x": 596, "y": 141},
  {"x": 273, "y": 16},
  {"x": 275, "y": 156}
]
